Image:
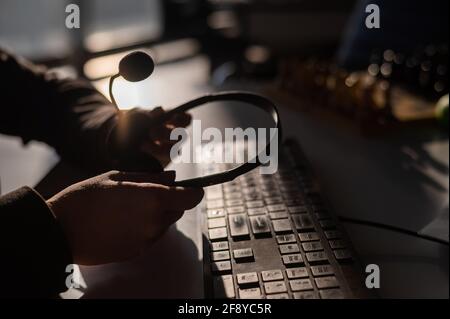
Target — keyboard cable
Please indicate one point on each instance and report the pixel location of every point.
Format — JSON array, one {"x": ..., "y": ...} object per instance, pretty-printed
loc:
[{"x": 396, "y": 229}]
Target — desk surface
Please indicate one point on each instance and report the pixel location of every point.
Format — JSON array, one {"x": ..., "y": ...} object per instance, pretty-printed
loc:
[{"x": 402, "y": 181}]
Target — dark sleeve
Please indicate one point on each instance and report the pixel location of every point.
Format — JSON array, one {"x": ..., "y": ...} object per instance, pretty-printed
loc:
[
  {"x": 34, "y": 250},
  {"x": 69, "y": 115}
]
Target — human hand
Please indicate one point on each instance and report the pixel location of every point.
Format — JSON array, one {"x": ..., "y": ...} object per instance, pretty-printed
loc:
[
  {"x": 142, "y": 135},
  {"x": 115, "y": 216}
]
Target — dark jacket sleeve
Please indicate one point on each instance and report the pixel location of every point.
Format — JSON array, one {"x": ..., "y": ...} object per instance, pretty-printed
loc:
[
  {"x": 76, "y": 120},
  {"x": 34, "y": 250},
  {"x": 69, "y": 115}
]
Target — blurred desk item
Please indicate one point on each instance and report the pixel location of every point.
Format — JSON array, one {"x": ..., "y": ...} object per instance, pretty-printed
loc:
[
  {"x": 291, "y": 25},
  {"x": 396, "y": 91},
  {"x": 402, "y": 181}
]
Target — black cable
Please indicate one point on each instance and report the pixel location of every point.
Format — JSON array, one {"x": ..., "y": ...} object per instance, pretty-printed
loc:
[{"x": 391, "y": 228}]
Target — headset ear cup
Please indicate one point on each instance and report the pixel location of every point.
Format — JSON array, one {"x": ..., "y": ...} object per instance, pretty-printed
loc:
[{"x": 239, "y": 96}]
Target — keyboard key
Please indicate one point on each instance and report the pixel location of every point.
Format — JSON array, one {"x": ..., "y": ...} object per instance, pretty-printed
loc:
[
  {"x": 316, "y": 257},
  {"x": 260, "y": 225},
  {"x": 295, "y": 202},
  {"x": 214, "y": 196},
  {"x": 312, "y": 246},
  {"x": 327, "y": 224},
  {"x": 212, "y": 204},
  {"x": 323, "y": 270},
  {"x": 273, "y": 200},
  {"x": 298, "y": 209},
  {"x": 255, "y": 204},
  {"x": 238, "y": 225},
  {"x": 236, "y": 210},
  {"x": 337, "y": 244},
  {"x": 343, "y": 254},
  {"x": 331, "y": 294},
  {"x": 217, "y": 222},
  {"x": 218, "y": 234},
  {"x": 230, "y": 184},
  {"x": 290, "y": 189},
  {"x": 306, "y": 295},
  {"x": 253, "y": 197},
  {"x": 271, "y": 193},
  {"x": 221, "y": 245},
  {"x": 326, "y": 282},
  {"x": 250, "y": 293},
  {"x": 270, "y": 188},
  {"x": 221, "y": 267},
  {"x": 257, "y": 211},
  {"x": 233, "y": 195},
  {"x": 278, "y": 296},
  {"x": 276, "y": 208},
  {"x": 301, "y": 284},
  {"x": 278, "y": 215},
  {"x": 291, "y": 260},
  {"x": 220, "y": 255},
  {"x": 224, "y": 287},
  {"x": 250, "y": 190},
  {"x": 289, "y": 249},
  {"x": 295, "y": 273},
  {"x": 247, "y": 279},
  {"x": 333, "y": 234},
  {"x": 243, "y": 254},
  {"x": 286, "y": 239},
  {"x": 282, "y": 225},
  {"x": 303, "y": 222},
  {"x": 322, "y": 215},
  {"x": 231, "y": 189},
  {"x": 312, "y": 236},
  {"x": 275, "y": 287},
  {"x": 234, "y": 202},
  {"x": 216, "y": 213},
  {"x": 249, "y": 183},
  {"x": 272, "y": 275},
  {"x": 214, "y": 192}
]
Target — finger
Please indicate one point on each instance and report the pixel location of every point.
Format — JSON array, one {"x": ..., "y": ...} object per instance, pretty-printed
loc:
[
  {"x": 180, "y": 120},
  {"x": 153, "y": 149},
  {"x": 157, "y": 112},
  {"x": 180, "y": 198},
  {"x": 164, "y": 178},
  {"x": 160, "y": 132}
]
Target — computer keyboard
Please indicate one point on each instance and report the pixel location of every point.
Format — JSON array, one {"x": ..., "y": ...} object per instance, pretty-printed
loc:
[{"x": 274, "y": 237}]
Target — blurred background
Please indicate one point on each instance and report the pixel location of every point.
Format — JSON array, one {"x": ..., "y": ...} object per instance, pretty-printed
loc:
[{"x": 316, "y": 50}]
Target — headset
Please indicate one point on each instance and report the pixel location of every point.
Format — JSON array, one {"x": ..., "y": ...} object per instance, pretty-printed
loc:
[{"x": 137, "y": 66}]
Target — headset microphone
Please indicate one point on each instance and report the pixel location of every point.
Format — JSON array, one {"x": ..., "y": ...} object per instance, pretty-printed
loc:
[{"x": 134, "y": 67}]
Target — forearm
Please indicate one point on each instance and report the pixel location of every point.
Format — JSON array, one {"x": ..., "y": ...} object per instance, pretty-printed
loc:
[{"x": 69, "y": 115}]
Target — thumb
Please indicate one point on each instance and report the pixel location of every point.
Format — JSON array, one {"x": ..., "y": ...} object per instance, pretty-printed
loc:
[{"x": 181, "y": 198}]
